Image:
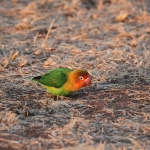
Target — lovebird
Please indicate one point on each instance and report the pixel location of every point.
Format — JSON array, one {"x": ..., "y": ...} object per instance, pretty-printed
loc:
[{"x": 63, "y": 81}]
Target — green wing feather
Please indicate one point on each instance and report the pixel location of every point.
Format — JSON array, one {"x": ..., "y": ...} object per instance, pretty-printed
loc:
[{"x": 54, "y": 78}]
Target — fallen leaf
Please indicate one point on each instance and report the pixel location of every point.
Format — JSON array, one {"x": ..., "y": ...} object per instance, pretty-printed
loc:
[
  {"x": 53, "y": 63},
  {"x": 15, "y": 55},
  {"x": 1, "y": 68},
  {"x": 1, "y": 93},
  {"x": 49, "y": 62},
  {"x": 6, "y": 62},
  {"x": 122, "y": 16},
  {"x": 23, "y": 63},
  {"x": 76, "y": 51},
  {"x": 38, "y": 52},
  {"x": 133, "y": 42},
  {"x": 14, "y": 1}
]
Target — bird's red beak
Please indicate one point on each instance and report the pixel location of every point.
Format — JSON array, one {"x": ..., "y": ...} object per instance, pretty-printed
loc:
[{"x": 87, "y": 81}]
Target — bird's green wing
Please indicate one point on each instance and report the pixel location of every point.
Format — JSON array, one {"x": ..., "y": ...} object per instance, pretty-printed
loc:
[{"x": 54, "y": 78}]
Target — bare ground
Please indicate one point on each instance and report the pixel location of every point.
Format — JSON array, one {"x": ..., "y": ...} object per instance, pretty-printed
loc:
[{"x": 109, "y": 38}]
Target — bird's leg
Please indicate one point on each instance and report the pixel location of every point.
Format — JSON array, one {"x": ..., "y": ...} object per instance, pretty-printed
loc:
[
  {"x": 61, "y": 97},
  {"x": 55, "y": 98}
]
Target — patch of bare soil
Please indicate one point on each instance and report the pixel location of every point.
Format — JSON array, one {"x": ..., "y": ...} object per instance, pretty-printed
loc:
[{"x": 109, "y": 38}]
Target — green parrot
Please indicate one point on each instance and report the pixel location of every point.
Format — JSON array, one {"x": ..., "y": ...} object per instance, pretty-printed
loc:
[{"x": 63, "y": 81}]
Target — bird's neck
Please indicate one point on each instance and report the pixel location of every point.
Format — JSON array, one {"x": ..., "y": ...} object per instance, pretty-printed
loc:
[
  {"x": 68, "y": 87},
  {"x": 72, "y": 87}
]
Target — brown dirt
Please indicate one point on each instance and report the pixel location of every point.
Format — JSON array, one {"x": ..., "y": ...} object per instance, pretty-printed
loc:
[{"x": 109, "y": 38}]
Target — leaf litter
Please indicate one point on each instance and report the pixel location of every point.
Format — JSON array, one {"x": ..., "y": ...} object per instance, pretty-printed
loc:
[{"x": 110, "y": 39}]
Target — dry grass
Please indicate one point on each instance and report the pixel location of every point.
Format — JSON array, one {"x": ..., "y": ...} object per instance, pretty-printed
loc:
[{"x": 108, "y": 38}]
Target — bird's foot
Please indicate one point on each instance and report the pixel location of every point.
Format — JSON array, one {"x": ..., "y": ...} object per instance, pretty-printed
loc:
[
  {"x": 57, "y": 97},
  {"x": 61, "y": 97}
]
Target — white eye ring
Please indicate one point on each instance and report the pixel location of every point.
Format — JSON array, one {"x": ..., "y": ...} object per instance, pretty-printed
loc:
[{"x": 81, "y": 78}]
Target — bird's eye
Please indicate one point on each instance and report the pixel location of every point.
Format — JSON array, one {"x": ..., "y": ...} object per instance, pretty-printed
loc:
[{"x": 81, "y": 78}]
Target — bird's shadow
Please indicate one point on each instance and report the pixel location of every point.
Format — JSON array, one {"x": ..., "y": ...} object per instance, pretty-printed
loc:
[{"x": 83, "y": 93}]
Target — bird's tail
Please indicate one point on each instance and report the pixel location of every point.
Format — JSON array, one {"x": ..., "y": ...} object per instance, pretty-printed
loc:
[{"x": 37, "y": 79}]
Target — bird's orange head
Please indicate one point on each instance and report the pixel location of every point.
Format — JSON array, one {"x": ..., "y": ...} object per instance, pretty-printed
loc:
[{"x": 79, "y": 78}]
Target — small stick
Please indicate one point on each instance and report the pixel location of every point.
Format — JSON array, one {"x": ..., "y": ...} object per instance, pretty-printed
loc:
[{"x": 47, "y": 35}]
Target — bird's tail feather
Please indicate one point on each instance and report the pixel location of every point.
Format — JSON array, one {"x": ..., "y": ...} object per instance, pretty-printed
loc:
[{"x": 37, "y": 79}]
